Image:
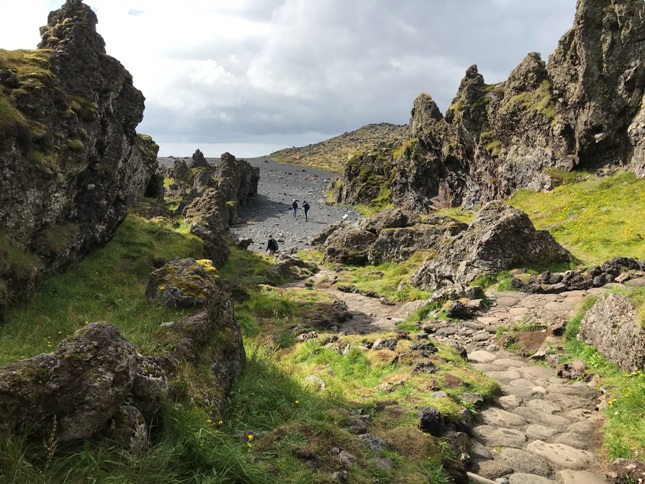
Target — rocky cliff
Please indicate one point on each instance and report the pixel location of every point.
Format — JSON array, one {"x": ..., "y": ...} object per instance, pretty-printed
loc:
[
  {"x": 71, "y": 162},
  {"x": 583, "y": 110}
]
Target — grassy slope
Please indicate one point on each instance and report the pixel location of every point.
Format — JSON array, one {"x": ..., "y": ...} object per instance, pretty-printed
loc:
[{"x": 596, "y": 219}]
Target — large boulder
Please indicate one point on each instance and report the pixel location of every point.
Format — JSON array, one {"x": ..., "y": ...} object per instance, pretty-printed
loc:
[
  {"x": 612, "y": 326},
  {"x": 71, "y": 162},
  {"x": 501, "y": 237},
  {"x": 390, "y": 235},
  {"x": 75, "y": 392}
]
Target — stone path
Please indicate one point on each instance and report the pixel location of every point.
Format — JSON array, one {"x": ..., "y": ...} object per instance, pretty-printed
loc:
[{"x": 542, "y": 429}]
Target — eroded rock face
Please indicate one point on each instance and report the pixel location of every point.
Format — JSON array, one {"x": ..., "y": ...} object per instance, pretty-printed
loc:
[
  {"x": 213, "y": 337},
  {"x": 71, "y": 162},
  {"x": 584, "y": 110},
  {"x": 501, "y": 237},
  {"x": 612, "y": 326},
  {"x": 77, "y": 390}
]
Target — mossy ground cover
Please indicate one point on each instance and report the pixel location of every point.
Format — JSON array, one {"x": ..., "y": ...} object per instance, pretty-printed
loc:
[{"x": 390, "y": 279}]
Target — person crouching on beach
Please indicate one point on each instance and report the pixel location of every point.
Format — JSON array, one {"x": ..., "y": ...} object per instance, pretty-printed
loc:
[{"x": 272, "y": 245}]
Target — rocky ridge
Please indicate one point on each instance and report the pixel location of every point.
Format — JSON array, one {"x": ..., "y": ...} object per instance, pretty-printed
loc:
[
  {"x": 71, "y": 162},
  {"x": 582, "y": 111},
  {"x": 332, "y": 154}
]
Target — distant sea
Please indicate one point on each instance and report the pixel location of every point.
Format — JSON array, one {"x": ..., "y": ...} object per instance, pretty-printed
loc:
[{"x": 214, "y": 150}]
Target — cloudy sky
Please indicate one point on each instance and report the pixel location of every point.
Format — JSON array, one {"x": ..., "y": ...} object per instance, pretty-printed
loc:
[{"x": 254, "y": 76}]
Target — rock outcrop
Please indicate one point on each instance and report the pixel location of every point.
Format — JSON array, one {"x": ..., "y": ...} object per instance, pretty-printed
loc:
[
  {"x": 501, "y": 237},
  {"x": 71, "y": 162},
  {"x": 612, "y": 326},
  {"x": 584, "y": 110},
  {"x": 391, "y": 235},
  {"x": 209, "y": 197},
  {"x": 184, "y": 283},
  {"x": 75, "y": 392}
]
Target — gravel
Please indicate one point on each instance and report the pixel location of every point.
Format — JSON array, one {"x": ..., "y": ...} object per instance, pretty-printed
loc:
[{"x": 270, "y": 213}]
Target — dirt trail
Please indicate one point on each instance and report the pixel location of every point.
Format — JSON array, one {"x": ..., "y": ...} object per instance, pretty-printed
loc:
[{"x": 542, "y": 429}]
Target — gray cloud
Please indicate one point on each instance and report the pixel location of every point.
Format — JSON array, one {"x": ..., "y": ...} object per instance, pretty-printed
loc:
[{"x": 317, "y": 69}]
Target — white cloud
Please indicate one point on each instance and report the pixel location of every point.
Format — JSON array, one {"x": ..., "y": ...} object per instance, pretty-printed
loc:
[{"x": 289, "y": 71}]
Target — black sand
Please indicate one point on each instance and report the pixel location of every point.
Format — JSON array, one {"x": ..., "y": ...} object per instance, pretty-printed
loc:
[{"x": 270, "y": 212}]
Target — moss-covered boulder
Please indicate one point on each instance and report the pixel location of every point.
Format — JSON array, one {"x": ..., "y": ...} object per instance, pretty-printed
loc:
[
  {"x": 75, "y": 392},
  {"x": 182, "y": 283}
]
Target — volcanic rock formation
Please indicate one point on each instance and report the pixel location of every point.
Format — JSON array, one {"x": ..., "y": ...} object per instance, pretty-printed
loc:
[
  {"x": 584, "y": 110},
  {"x": 71, "y": 162}
]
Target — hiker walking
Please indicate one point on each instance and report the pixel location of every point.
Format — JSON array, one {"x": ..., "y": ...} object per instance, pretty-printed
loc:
[
  {"x": 294, "y": 207},
  {"x": 305, "y": 207},
  {"x": 272, "y": 245}
]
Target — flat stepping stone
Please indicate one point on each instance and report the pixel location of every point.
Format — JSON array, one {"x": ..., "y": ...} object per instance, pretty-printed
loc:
[
  {"x": 497, "y": 437},
  {"x": 522, "y": 382},
  {"x": 492, "y": 469},
  {"x": 568, "y": 476},
  {"x": 586, "y": 426},
  {"x": 509, "y": 402},
  {"x": 528, "y": 479},
  {"x": 501, "y": 418},
  {"x": 544, "y": 418},
  {"x": 544, "y": 406},
  {"x": 481, "y": 356},
  {"x": 506, "y": 376},
  {"x": 540, "y": 432},
  {"x": 576, "y": 389},
  {"x": 572, "y": 439},
  {"x": 562, "y": 456},
  {"x": 526, "y": 462},
  {"x": 510, "y": 362},
  {"x": 507, "y": 300},
  {"x": 568, "y": 401},
  {"x": 485, "y": 367},
  {"x": 535, "y": 372},
  {"x": 525, "y": 393}
]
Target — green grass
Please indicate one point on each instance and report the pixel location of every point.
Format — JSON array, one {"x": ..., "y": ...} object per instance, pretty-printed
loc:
[
  {"x": 624, "y": 431},
  {"x": 388, "y": 279},
  {"x": 108, "y": 285},
  {"x": 596, "y": 219}
]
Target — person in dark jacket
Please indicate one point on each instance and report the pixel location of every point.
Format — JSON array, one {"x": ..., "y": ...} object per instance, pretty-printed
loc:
[
  {"x": 306, "y": 207},
  {"x": 294, "y": 207},
  {"x": 272, "y": 245}
]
